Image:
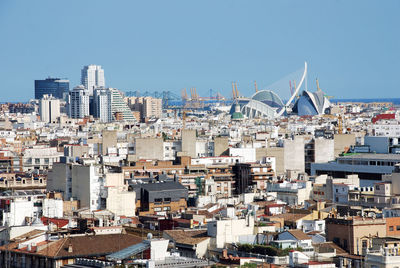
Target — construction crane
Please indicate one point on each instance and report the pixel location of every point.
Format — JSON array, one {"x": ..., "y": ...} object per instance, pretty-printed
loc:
[
  {"x": 236, "y": 90},
  {"x": 233, "y": 91},
  {"x": 319, "y": 89}
]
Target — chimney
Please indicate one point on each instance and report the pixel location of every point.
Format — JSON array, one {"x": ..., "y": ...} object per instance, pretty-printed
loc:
[
  {"x": 69, "y": 248},
  {"x": 225, "y": 253}
]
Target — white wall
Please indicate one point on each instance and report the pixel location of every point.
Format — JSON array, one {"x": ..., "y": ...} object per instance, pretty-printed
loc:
[
  {"x": 229, "y": 230},
  {"x": 248, "y": 154},
  {"x": 53, "y": 208}
]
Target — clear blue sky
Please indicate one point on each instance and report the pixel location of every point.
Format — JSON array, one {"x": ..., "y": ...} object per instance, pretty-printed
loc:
[{"x": 353, "y": 47}]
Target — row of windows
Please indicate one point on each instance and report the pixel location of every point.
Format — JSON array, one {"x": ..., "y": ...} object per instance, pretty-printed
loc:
[
  {"x": 158, "y": 201},
  {"x": 160, "y": 209},
  {"x": 391, "y": 228}
]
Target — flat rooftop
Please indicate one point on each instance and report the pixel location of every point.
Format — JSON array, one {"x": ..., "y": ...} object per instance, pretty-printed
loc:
[{"x": 372, "y": 156}]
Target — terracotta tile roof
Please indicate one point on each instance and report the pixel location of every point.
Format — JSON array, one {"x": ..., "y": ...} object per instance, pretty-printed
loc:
[
  {"x": 189, "y": 237},
  {"x": 299, "y": 234},
  {"x": 339, "y": 250},
  {"x": 30, "y": 234},
  {"x": 291, "y": 216},
  {"x": 82, "y": 246},
  {"x": 58, "y": 222}
]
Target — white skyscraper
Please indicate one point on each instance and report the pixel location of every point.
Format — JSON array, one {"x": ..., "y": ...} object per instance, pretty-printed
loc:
[
  {"x": 49, "y": 108},
  {"x": 92, "y": 76},
  {"x": 79, "y": 102},
  {"x": 102, "y": 104}
]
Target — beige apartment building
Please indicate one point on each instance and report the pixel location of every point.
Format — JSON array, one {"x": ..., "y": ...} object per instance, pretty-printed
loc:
[
  {"x": 148, "y": 107},
  {"x": 355, "y": 234}
]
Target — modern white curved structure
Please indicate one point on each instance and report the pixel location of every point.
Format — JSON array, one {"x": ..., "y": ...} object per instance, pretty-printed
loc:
[
  {"x": 296, "y": 90},
  {"x": 266, "y": 103}
]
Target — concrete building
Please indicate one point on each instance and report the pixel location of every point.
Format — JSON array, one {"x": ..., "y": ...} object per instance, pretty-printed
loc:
[
  {"x": 247, "y": 154},
  {"x": 142, "y": 146},
  {"x": 343, "y": 141},
  {"x": 160, "y": 198},
  {"x": 366, "y": 166},
  {"x": 39, "y": 158},
  {"x": 92, "y": 76},
  {"x": 294, "y": 154},
  {"x": 190, "y": 243},
  {"x": 221, "y": 145},
  {"x": 189, "y": 142},
  {"x": 78, "y": 102},
  {"x": 108, "y": 140},
  {"x": 119, "y": 200},
  {"x": 229, "y": 230},
  {"x": 318, "y": 150},
  {"x": 49, "y": 108},
  {"x": 293, "y": 193},
  {"x": 79, "y": 182}
]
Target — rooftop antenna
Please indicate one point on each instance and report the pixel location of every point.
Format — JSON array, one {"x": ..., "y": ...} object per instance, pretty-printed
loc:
[{"x": 255, "y": 85}]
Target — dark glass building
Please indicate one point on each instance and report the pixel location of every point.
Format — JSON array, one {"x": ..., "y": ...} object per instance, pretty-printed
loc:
[{"x": 55, "y": 86}]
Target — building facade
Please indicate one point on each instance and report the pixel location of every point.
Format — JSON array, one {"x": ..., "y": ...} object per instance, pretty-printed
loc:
[
  {"x": 56, "y": 87},
  {"x": 92, "y": 76},
  {"x": 49, "y": 108},
  {"x": 79, "y": 102}
]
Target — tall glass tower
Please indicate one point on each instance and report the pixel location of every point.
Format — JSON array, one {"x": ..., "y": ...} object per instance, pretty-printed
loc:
[{"x": 56, "y": 87}]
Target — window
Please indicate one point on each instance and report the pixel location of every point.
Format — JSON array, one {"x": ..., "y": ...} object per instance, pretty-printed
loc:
[
  {"x": 167, "y": 200},
  {"x": 37, "y": 160},
  {"x": 398, "y": 228},
  {"x": 377, "y": 187},
  {"x": 364, "y": 243},
  {"x": 391, "y": 228},
  {"x": 158, "y": 201},
  {"x": 167, "y": 208},
  {"x": 337, "y": 190},
  {"x": 157, "y": 209}
]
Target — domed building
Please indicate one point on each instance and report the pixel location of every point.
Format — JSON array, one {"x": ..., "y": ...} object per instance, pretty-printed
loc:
[
  {"x": 311, "y": 103},
  {"x": 263, "y": 103},
  {"x": 237, "y": 115}
]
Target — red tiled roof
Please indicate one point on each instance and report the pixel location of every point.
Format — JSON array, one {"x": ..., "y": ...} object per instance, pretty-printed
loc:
[{"x": 58, "y": 222}]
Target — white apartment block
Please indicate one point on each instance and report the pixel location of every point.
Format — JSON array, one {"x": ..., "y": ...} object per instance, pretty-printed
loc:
[
  {"x": 102, "y": 105},
  {"x": 49, "y": 108},
  {"x": 79, "y": 102}
]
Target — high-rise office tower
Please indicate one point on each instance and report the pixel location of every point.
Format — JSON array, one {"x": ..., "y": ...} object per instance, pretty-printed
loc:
[
  {"x": 92, "y": 77},
  {"x": 49, "y": 108},
  {"x": 78, "y": 102},
  {"x": 56, "y": 87},
  {"x": 102, "y": 105}
]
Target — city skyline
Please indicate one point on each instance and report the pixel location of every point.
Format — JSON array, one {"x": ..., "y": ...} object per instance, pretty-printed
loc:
[{"x": 351, "y": 47}]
